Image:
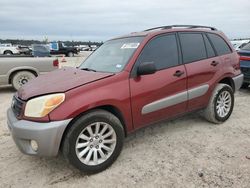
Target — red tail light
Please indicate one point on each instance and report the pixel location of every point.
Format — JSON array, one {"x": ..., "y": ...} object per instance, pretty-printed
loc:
[
  {"x": 244, "y": 58},
  {"x": 56, "y": 63}
]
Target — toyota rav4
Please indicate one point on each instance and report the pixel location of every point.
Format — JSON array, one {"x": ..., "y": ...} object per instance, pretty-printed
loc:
[{"x": 128, "y": 83}]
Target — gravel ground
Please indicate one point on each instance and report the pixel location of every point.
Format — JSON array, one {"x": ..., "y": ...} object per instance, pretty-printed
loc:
[{"x": 186, "y": 152}]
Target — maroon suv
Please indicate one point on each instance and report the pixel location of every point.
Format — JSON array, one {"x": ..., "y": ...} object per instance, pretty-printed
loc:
[{"x": 128, "y": 83}]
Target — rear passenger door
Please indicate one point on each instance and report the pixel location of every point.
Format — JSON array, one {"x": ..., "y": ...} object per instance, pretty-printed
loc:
[
  {"x": 201, "y": 64},
  {"x": 162, "y": 94}
]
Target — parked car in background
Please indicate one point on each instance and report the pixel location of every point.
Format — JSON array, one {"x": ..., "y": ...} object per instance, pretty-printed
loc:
[
  {"x": 24, "y": 50},
  {"x": 84, "y": 48},
  {"x": 8, "y": 50},
  {"x": 93, "y": 47},
  {"x": 238, "y": 44},
  {"x": 19, "y": 70},
  {"x": 58, "y": 48},
  {"x": 40, "y": 50},
  {"x": 245, "y": 64},
  {"x": 128, "y": 83},
  {"x": 6, "y": 44}
]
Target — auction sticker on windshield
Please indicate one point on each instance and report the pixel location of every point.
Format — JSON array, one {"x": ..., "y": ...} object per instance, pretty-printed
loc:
[{"x": 130, "y": 45}]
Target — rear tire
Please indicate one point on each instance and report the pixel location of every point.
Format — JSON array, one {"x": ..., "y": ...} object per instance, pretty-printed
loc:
[
  {"x": 20, "y": 78},
  {"x": 87, "y": 148},
  {"x": 221, "y": 104}
]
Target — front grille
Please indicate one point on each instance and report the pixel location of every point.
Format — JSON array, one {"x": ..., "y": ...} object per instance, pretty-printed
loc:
[{"x": 17, "y": 106}]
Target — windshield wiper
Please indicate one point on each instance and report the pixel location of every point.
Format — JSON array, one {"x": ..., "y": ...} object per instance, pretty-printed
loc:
[{"x": 88, "y": 69}]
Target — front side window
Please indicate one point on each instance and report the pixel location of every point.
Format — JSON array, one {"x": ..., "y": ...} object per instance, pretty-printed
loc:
[
  {"x": 219, "y": 44},
  {"x": 162, "y": 50},
  {"x": 193, "y": 47},
  {"x": 112, "y": 56}
]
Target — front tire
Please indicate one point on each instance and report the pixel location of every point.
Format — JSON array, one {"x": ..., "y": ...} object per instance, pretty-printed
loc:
[
  {"x": 20, "y": 78},
  {"x": 94, "y": 141},
  {"x": 221, "y": 104}
]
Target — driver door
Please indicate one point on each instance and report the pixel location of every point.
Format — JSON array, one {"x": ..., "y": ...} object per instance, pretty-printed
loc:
[{"x": 163, "y": 94}]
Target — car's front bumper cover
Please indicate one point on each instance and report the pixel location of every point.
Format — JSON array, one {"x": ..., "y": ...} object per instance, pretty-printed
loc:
[{"x": 47, "y": 135}]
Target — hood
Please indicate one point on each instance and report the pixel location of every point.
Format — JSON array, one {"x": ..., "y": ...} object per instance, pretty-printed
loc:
[{"x": 57, "y": 81}]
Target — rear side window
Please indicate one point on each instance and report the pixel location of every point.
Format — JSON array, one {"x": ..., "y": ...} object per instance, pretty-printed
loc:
[
  {"x": 219, "y": 43},
  {"x": 162, "y": 51},
  {"x": 210, "y": 50},
  {"x": 193, "y": 47}
]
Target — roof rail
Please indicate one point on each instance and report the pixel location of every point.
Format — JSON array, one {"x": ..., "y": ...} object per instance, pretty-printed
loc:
[{"x": 184, "y": 26}]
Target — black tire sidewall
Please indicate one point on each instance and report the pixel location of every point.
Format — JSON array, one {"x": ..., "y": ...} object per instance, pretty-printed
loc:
[
  {"x": 77, "y": 128},
  {"x": 229, "y": 89}
]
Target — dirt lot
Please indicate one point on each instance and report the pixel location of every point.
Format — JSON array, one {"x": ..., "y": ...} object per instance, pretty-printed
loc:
[{"x": 187, "y": 152}]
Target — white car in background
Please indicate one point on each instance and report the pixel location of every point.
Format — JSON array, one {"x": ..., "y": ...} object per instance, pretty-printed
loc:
[
  {"x": 238, "y": 44},
  {"x": 8, "y": 49}
]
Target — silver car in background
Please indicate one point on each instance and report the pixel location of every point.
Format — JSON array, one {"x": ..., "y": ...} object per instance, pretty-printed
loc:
[{"x": 19, "y": 70}]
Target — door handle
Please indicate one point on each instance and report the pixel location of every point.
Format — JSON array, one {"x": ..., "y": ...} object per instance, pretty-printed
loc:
[
  {"x": 214, "y": 63},
  {"x": 178, "y": 73}
]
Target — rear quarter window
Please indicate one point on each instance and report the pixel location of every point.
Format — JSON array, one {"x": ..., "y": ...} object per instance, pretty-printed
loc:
[{"x": 219, "y": 44}]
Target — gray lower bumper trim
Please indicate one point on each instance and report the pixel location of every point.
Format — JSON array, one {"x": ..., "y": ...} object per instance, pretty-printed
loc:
[
  {"x": 238, "y": 80},
  {"x": 48, "y": 135}
]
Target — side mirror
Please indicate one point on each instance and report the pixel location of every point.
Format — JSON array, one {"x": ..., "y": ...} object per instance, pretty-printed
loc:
[{"x": 146, "y": 68}]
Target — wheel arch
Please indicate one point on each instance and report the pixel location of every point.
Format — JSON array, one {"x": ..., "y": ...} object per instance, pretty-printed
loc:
[
  {"x": 5, "y": 51},
  {"x": 110, "y": 108},
  {"x": 229, "y": 81},
  {"x": 13, "y": 72}
]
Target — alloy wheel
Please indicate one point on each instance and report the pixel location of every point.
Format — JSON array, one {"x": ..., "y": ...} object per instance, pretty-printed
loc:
[
  {"x": 223, "y": 104},
  {"x": 96, "y": 143}
]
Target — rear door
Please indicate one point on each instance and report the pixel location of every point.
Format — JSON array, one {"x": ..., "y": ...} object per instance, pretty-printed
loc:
[
  {"x": 162, "y": 94},
  {"x": 201, "y": 64},
  {"x": 229, "y": 59}
]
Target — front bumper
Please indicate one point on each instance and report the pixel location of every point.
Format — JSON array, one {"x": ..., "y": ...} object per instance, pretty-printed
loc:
[
  {"x": 47, "y": 135},
  {"x": 238, "y": 80}
]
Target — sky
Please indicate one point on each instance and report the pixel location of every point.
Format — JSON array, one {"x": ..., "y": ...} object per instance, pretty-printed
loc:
[{"x": 100, "y": 20}]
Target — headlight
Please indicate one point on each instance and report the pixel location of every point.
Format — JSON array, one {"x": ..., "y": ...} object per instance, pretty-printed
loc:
[{"x": 41, "y": 106}]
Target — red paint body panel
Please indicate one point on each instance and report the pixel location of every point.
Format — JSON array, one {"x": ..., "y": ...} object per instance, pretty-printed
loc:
[
  {"x": 58, "y": 81},
  {"x": 113, "y": 91},
  {"x": 149, "y": 88}
]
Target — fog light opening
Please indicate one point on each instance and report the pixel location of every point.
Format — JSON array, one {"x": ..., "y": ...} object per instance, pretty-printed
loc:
[{"x": 34, "y": 145}]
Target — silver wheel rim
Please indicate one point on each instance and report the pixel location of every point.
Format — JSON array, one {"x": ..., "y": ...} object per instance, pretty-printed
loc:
[
  {"x": 23, "y": 80},
  {"x": 96, "y": 143},
  {"x": 223, "y": 104}
]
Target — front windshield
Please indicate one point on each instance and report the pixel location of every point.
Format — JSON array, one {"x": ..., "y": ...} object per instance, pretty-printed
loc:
[
  {"x": 112, "y": 56},
  {"x": 246, "y": 47}
]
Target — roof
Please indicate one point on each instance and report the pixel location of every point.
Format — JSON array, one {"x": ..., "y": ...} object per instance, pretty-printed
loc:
[{"x": 168, "y": 28}]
